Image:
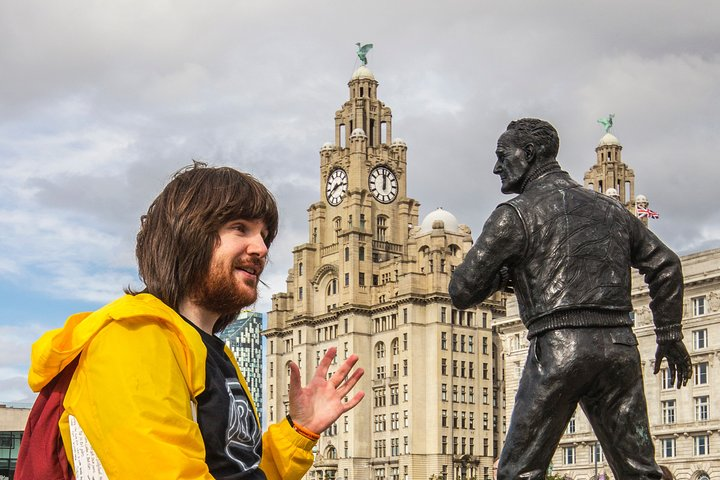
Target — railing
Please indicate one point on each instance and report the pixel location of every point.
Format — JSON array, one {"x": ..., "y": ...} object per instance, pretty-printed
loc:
[
  {"x": 387, "y": 247},
  {"x": 329, "y": 249}
]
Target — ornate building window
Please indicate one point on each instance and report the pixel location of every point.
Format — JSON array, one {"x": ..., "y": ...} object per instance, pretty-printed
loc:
[
  {"x": 701, "y": 445},
  {"x": 701, "y": 408},
  {"x": 332, "y": 287},
  {"x": 568, "y": 455},
  {"x": 698, "y": 306},
  {"x": 701, "y": 373},
  {"x": 700, "y": 340},
  {"x": 668, "y": 411},
  {"x": 665, "y": 379},
  {"x": 667, "y": 447},
  {"x": 382, "y": 225},
  {"x": 571, "y": 425}
]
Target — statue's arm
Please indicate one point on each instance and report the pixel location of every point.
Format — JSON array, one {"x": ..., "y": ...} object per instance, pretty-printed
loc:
[
  {"x": 662, "y": 271},
  {"x": 478, "y": 276}
]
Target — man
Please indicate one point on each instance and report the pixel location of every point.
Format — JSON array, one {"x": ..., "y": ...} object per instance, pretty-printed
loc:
[
  {"x": 567, "y": 252},
  {"x": 155, "y": 393}
]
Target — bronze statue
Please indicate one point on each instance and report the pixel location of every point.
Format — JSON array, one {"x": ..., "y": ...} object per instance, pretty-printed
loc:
[
  {"x": 362, "y": 52},
  {"x": 567, "y": 252}
]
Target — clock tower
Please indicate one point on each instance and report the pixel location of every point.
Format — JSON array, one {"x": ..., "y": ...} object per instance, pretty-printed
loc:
[{"x": 372, "y": 280}]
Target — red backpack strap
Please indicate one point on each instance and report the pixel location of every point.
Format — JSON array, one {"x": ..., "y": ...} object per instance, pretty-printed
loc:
[{"x": 42, "y": 454}]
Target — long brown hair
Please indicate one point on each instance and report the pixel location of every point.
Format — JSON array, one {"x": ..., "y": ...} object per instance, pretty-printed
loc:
[{"x": 181, "y": 228}]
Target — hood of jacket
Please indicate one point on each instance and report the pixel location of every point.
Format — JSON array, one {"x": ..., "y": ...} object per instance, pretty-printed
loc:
[{"x": 57, "y": 348}]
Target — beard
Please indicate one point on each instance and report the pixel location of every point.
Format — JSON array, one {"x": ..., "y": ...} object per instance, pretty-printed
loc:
[{"x": 223, "y": 293}]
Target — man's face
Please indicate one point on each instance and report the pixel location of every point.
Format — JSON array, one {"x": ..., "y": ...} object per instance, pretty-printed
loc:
[
  {"x": 512, "y": 164},
  {"x": 235, "y": 267}
]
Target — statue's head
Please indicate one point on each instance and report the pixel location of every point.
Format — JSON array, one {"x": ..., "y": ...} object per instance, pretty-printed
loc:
[{"x": 525, "y": 145}]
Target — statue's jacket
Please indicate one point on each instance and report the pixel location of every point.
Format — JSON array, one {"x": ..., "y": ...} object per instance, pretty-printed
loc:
[
  {"x": 140, "y": 368},
  {"x": 573, "y": 266}
]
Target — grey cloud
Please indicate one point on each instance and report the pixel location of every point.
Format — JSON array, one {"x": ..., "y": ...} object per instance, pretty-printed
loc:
[{"x": 102, "y": 103}]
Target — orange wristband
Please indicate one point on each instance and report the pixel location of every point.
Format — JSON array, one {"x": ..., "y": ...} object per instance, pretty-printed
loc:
[{"x": 302, "y": 430}]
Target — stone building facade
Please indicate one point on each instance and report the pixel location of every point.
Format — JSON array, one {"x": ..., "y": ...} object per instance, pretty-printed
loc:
[
  {"x": 685, "y": 424},
  {"x": 372, "y": 279}
]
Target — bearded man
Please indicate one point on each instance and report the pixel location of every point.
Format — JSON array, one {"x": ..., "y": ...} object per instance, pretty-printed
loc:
[{"x": 155, "y": 394}]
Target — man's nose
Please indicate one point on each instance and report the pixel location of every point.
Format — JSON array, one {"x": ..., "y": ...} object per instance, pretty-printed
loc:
[
  {"x": 497, "y": 169},
  {"x": 257, "y": 246}
]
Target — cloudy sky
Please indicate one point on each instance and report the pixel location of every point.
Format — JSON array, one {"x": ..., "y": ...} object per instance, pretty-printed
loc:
[{"x": 100, "y": 102}]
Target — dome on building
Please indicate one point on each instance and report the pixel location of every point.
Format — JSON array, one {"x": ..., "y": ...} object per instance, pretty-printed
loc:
[
  {"x": 358, "y": 132},
  {"x": 363, "y": 72},
  {"x": 611, "y": 192},
  {"x": 609, "y": 139},
  {"x": 327, "y": 146},
  {"x": 448, "y": 219},
  {"x": 399, "y": 142}
]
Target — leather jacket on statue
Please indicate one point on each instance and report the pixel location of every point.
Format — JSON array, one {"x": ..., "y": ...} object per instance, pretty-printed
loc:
[{"x": 573, "y": 253}]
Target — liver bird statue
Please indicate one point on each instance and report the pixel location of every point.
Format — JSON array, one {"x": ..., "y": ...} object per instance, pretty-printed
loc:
[
  {"x": 362, "y": 52},
  {"x": 607, "y": 122}
]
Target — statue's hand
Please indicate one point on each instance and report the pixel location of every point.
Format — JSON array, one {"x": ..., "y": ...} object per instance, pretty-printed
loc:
[{"x": 678, "y": 361}]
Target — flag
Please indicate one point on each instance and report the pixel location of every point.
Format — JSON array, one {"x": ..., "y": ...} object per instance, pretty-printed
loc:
[{"x": 646, "y": 212}]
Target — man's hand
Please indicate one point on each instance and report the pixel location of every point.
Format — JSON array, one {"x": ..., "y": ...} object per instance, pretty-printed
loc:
[
  {"x": 678, "y": 361},
  {"x": 320, "y": 403}
]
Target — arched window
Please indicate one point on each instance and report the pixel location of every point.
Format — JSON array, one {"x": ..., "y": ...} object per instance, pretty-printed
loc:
[
  {"x": 331, "y": 453},
  {"x": 300, "y": 269},
  {"x": 332, "y": 287},
  {"x": 361, "y": 253},
  {"x": 424, "y": 257},
  {"x": 380, "y": 350},
  {"x": 347, "y": 253},
  {"x": 382, "y": 226},
  {"x": 395, "y": 347},
  {"x": 337, "y": 222}
]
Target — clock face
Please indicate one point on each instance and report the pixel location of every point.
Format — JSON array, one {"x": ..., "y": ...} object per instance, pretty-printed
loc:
[
  {"x": 336, "y": 186},
  {"x": 383, "y": 184}
]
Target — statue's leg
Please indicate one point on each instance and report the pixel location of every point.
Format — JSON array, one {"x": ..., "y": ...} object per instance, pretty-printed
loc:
[
  {"x": 617, "y": 410},
  {"x": 545, "y": 401}
]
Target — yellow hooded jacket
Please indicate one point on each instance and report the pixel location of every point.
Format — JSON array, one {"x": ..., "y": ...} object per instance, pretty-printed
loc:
[{"x": 141, "y": 366}]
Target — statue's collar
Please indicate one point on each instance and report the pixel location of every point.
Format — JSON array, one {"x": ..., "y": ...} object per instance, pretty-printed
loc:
[{"x": 540, "y": 172}]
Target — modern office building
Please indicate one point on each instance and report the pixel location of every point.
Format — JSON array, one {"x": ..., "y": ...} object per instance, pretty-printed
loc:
[
  {"x": 372, "y": 279},
  {"x": 243, "y": 338},
  {"x": 685, "y": 424},
  {"x": 12, "y": 425}
]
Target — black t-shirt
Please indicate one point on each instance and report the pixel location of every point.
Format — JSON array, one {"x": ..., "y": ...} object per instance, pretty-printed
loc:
[{"x": 226, "y": 418}]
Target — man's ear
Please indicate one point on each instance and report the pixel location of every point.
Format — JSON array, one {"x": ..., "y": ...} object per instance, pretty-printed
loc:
[{"x": 530, "y": 152}]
